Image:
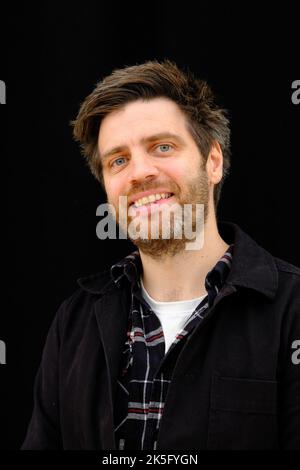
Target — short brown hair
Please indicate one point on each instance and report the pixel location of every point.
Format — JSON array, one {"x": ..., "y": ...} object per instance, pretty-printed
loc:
[{"x": 207, "y": 122}]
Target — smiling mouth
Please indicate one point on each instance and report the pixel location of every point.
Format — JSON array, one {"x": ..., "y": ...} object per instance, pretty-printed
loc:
[
  {"x": 149, "y": 206},
  {"x": 152, "y": 199}
]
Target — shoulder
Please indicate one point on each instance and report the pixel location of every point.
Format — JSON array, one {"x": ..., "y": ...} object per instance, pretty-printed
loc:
[
  {"x": 288, "y": 279},
  {"x": 288, "y": 294},
  {"x": 75, "y": 310},
  {"x": 286, "y": 267}
]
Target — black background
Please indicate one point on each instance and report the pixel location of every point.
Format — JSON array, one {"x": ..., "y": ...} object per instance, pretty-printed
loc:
[{"x": 52, "y": 55}]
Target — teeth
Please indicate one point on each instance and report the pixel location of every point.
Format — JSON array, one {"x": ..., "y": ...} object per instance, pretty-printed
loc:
[{"x": 151, "y": 198}]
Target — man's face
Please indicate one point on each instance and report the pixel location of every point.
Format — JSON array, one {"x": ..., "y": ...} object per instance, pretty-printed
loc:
[{"x": 146, "y": 147}]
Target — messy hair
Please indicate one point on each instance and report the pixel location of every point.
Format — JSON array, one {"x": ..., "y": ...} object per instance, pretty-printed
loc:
[{"x": 206, "y": 121}]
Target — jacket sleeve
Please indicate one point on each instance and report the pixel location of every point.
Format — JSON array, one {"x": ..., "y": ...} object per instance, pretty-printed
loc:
[
  {"x": 289, "y": 377},
  {"x": 44, "y": 431}
]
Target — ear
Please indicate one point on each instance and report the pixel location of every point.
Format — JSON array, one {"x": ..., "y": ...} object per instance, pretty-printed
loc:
[{"x": 214, "y": 164}]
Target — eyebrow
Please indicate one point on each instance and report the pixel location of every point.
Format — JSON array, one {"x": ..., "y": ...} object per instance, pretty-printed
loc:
[{"x": 144, "y": 140}]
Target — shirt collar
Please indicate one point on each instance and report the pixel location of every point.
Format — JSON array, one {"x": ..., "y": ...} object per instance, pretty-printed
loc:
[{"x": 130, "y": 268}]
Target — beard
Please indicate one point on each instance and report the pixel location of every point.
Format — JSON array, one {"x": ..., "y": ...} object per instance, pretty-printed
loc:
[{"x": 195, "y": 191}]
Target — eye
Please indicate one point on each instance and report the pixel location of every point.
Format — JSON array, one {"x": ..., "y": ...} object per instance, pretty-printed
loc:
[
  {"x": 117, "y": 160},
  {"x": 164, "y": 147}
]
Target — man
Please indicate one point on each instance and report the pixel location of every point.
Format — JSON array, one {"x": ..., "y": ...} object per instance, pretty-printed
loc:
[{"x": 174, "y": 347}]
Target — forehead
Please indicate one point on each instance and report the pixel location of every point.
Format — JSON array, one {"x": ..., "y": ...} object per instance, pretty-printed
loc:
[{"x": 137, "y": 119}]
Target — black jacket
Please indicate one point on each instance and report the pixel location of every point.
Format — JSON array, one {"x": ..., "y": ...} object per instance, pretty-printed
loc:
[{"x": 236, "y": 384}]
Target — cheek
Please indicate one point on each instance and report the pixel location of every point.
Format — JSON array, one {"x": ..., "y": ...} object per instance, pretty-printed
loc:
[
  {"x": 177, "y": 172},
  {"x": 113, "y": 191}
]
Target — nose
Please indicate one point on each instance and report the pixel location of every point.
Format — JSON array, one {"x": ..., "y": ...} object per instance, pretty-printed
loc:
[{"x": 142, "y": 167}]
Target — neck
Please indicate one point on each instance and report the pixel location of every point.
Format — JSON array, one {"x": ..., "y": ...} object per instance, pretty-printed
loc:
[{"x": 182, "y": 276}]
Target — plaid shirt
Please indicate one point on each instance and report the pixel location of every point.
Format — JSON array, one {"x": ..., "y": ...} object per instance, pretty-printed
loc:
[{"x": 146, "y": 371}]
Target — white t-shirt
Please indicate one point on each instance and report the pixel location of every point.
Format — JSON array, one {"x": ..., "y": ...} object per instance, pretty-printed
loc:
[{"x": 172, "y": 315}]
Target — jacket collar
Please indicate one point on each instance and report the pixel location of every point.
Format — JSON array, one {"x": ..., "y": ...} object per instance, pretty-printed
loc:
[
  {"x": 98, "y": 283},
  {"x": 252, "y": 266}
]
